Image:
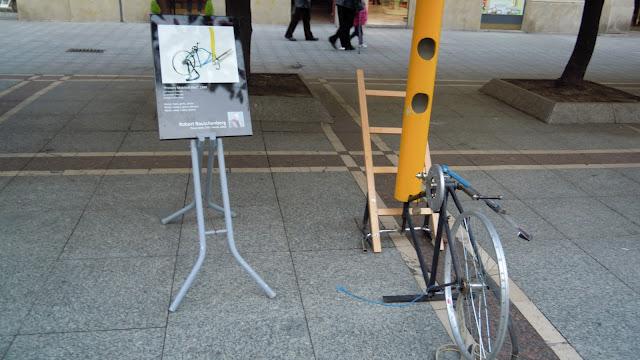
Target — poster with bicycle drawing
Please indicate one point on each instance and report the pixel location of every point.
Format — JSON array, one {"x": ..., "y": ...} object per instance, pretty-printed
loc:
[
  {"x": 201, "y": 84},
  {"x": 197, "y": 54}
]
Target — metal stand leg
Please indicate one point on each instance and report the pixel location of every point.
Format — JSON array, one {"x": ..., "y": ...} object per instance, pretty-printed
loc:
[
  {"x": 197, "y": 148},
  {"x": 207, "y": 190},
  {"x": 227, "y": 220},
  {"x": 201, "y": 231}
]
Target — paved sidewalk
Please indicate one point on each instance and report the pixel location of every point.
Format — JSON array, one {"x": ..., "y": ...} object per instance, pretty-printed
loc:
[{"x": 87, "y": 270}]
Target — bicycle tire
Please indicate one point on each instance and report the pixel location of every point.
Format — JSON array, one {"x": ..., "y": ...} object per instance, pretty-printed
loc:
[
  {"x": 178, "y": 63},
  {"x": 479, "y": 317}
]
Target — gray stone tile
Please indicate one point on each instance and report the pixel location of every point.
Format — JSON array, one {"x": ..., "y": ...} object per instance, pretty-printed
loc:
[
  {"x": 277, "y": 334},
  {"x": 100, "y": 106},
  {"x": 35, "y": 234},
  {"x": 225, "y": 310},
  {"x": 150, "y": 141},
  {"x": 256, "y": 229},
  {"x": 619, "y": 255},
  {"x": 245, "y": 143},
  {"x": 54, "y": 107},
  {"x": 327, "y": 221},
  {"x": 144, "y": 123},
  {"x": 103, "y": 294},
  {"x": 35, "y": 122},
  {"x": 593, "y": 331},
  {"x": 601, "y": 182},
  {"x": 122, "y": 233},
  {"x": 245, "y": 189},
  {"x": 5, "y": 342},
  {"x": 118, "y": 344},
  {"x": 626, "y": 206},
  {"x": 20, "y": 281},
  {"x": 342, "y": 327},
  {"x": 24, "y": 141},
  {"x": 582, "y": 218},
  {"x": 48, "y": 192},
  {"x": 536, "y": 184},
  {"x": 100, "y": 122},
  {"x": 293, "y": 141},
  {"x": 631, "y": 173},
  {"x": 165, "y": 192},
  {"x": 90, "y": 141}
]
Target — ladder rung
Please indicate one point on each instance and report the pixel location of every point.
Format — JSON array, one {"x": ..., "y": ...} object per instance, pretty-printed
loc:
[
  {"x": 385, "y": 130},
  {"x": 398, "y": 211},
  {"x": 385, "y": 169},
  {"x": 390, "y": 93}
]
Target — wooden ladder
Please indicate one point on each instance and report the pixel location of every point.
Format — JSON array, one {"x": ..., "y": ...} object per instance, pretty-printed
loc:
[{"x": 372, "y": 195}]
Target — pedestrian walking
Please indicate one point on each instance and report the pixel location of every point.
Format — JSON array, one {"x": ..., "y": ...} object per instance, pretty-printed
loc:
[
  {"x": 302, "y": 10},
  {"x": 346, "y": 14},
  {"x": 358, "y": 24}
]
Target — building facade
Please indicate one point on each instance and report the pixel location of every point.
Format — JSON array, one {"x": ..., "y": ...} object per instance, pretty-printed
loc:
[{"x": 555, "y": 16}]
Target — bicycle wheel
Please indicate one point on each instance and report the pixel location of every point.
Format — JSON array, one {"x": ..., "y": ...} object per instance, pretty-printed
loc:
[
  {"x": 179, "y": 63},
  {"x": 479, "y": 317}
]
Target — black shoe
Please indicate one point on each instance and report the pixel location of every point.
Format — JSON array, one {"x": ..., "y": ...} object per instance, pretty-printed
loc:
[
  {"x": 332, "y": 40},
  {"x": 312, "y": 39},
  {"x": 349, "y": 48},
  {"x": 290, "y": 38}
]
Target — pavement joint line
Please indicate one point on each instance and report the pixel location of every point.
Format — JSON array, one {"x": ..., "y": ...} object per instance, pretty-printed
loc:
[
  {"x": 26, "y": 102},
  {"x": 529, "y": 310},
  {"x": 633, "y": 128}
]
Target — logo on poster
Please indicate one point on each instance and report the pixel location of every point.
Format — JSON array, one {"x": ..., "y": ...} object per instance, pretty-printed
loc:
[{"x": 236, "y": 119}]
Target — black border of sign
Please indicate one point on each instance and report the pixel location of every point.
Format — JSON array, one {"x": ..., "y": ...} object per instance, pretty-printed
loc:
[{"x": 224, "y": 96}]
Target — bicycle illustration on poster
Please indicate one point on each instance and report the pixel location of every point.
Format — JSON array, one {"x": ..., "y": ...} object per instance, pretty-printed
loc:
[{"x": 197, "y": 54}]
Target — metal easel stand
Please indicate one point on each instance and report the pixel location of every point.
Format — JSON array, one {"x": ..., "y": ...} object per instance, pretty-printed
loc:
[{"x": 197, "y": 153}]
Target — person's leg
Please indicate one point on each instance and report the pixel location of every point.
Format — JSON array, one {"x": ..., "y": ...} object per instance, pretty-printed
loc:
[
  {"x": 306, "y": 22},
  {"x": 333, "y": 38},
  {"x": 295, "y": 18},
  {"x": 636, "y": 13},
  {"x": 189, "y": 6},
  {"x": 349, "y": 15},
  {"x": 360, "y": 35}
]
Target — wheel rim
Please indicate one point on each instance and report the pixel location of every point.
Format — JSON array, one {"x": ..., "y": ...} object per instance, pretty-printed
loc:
[
  {"x": 178, "y": 63},
  {"x": 479, "y": 316}
]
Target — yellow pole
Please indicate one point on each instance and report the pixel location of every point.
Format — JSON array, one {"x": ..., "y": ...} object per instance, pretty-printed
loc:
[{"x": 418, "y": 102}]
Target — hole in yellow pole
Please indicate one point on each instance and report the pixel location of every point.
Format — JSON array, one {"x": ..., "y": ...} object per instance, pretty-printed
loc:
[
  {"x": 427, "y": 48},
  {"x": 419, "y": 103}
]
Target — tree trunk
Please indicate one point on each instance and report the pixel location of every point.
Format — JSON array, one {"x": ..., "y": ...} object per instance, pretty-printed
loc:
[
  {"x": 241, "y": 10},
  {"x": 573, "y": 74}
]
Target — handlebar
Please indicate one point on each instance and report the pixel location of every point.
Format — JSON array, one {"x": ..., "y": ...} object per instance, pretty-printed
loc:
[{"x": 465, "y": 186}]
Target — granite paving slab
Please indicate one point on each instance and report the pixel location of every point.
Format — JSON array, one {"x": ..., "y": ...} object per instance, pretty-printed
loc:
[
  {"x": 162, "y": 191},
  {"x": 109, "y": 234},
  {"x": 583, "y": 219},
  {"x": 20, "y": 281},
  {"x": 100, "y": 122},
  {"x": 150, "y": 141},
  {"x": 342, "y": 327},
  {"x": 89, "y": 141},
  {"x": 38, "y": 193},
  {"x": 103, "y": 294},
  {"x": 24, "y": 141},
  {"x": 226, "y": 315},
  {"x": 532, "y": 184},
  {"x": 601, "y": 182},
  {"x": 21, "y": 122},
  {"x": 256, "y": 229},
  {"x": 35, "y": 234},
  {"x": 117, "y": 344},
  {"x": 296, "y": 142}
]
